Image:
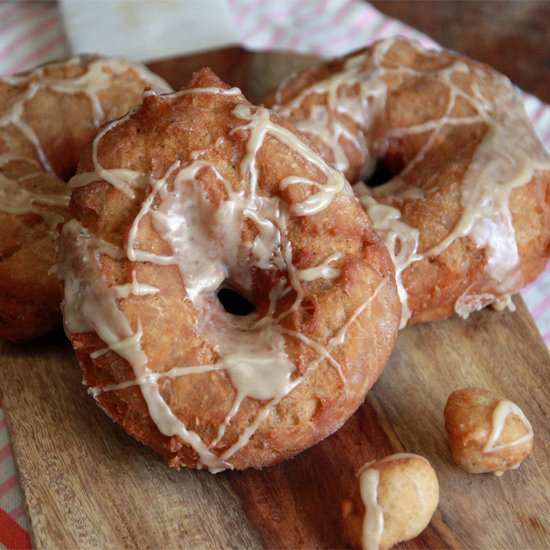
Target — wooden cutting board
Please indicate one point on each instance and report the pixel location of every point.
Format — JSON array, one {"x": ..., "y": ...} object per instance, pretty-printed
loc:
[{"x": 87, "y": 484}]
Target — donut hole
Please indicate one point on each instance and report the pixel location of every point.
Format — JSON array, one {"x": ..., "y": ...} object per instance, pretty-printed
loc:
[
  {"x": 384, "y": 170},
  {"x": 233, "y": 302}
]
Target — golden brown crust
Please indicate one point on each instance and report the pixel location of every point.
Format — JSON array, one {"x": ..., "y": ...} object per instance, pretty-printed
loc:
[
  {"x": 431, "y": 164},
  {"x": 29, "y": 294},
  {"x": 469, "y": 421},
  {"x": 172, "y": 128},
  {"x": 408, "y": 495},
  {"x": 50, "y": 126}
]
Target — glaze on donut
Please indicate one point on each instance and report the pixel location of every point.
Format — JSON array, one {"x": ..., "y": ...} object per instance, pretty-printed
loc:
[
  {"x": 200, "y": 190},
  {"x": 466, "y": 214},
  {"x": 47, "y": 116}
]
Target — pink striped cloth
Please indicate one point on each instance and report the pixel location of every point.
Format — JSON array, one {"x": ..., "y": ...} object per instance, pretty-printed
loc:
[
  {"x": 33, "y": 32},
  {"x": 30, "y": 33}
]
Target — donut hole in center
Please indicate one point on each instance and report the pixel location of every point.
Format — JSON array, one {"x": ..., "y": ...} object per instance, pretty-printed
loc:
[
  {"x": 234, "y": 302},
  {"x": 384, "y": 170}
]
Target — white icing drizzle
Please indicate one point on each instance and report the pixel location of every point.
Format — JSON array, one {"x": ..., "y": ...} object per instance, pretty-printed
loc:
[
  {"x": 16, "y": 199},
  {"x": 99, "y": 353},
  {"x": 373, "y": 521},
  {"x": 504, "y": 303},
  {"x": 208, "y": 90},
  {"x": 205, "y": 244},
  {"x": 259, "y": 123},
  {"x": 321, "y": 271},
  {"x": 500, "y": 414},
  {"x": 505, "y": 159},
  {"x": 97, "y": 77},
  {"x": 339, "y": 338},
  {"x": 135, "y": 288},
  {"x": 400, "y": 238}
]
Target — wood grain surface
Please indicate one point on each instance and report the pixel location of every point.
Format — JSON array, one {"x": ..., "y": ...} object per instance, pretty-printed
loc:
[{"x": 87, "y": 484}]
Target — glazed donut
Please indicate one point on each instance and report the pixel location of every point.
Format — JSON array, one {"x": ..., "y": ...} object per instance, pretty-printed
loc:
[
  {"x": 47, "y": 116},
  {"x": 198, "y": 191},
  {"x": 466, "y": 210}
]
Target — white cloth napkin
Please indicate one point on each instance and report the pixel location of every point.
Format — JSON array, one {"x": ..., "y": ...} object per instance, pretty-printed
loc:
[
  {"x": 151, "y": 30},
  {"x": 147, "y": 30}
]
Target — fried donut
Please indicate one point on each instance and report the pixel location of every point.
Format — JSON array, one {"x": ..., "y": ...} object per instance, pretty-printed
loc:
[
  {"x": 487, "y": 432},
  {"x": 198, "y": 191},
  {"x": 465, "y": 207},
  {"x": 393, "y": 501},
  {"x": 47, "y": 116}
]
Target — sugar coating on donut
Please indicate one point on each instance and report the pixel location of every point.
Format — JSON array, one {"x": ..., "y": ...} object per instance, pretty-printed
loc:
[
  {"x": 47, "y": 116},
  {"x": 393, "y": 501},
  {"x": 487, "y": 433},
  {"x": 199, "y": 190},
  {"x": 466, "y": 214}
]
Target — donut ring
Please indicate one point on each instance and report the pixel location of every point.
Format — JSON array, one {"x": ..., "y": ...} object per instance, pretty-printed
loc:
[
  {"x": 201, "y": 189},
  {"x": 466, "y": 211},
  {"x": 47, "y": 116}
]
